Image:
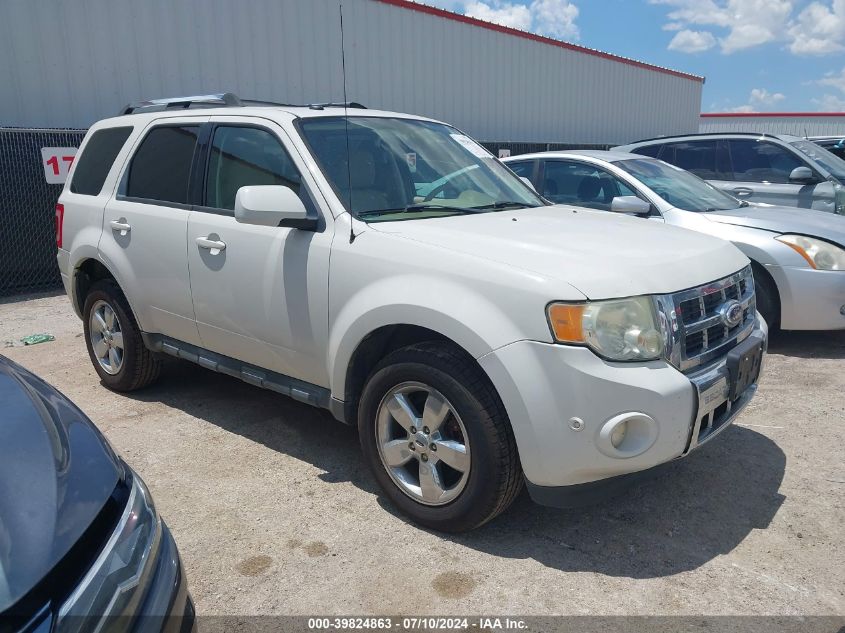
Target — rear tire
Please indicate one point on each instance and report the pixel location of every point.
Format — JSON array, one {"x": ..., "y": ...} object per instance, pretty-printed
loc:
[
  {"x": 114, "y": 340},
  {"x": 468, "y": 458},
  {"x": 768, "y": 299}
]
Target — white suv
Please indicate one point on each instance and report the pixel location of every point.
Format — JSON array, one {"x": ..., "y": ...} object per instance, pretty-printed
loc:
[{"x": 388, "y": 268}]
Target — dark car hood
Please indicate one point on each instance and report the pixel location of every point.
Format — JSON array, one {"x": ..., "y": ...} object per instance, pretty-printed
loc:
[
  {"x": 56, "y": 474},
  {"x": 827, "y": 226}
]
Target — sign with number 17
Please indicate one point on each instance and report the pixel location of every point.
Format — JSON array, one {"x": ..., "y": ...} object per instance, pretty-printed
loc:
[{"x": 56, "y": 162}]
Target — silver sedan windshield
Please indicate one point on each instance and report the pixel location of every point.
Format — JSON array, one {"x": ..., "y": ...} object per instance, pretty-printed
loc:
[{"x": 679, "y": 188}]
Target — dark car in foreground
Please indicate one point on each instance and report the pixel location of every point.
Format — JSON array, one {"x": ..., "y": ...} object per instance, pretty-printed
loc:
[{"x": 82, "y": 547}]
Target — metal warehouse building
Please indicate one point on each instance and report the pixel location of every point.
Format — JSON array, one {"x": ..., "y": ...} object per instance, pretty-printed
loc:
[
  {"x": 67, "y": 64},
  {"x": 796, "y": 123}
]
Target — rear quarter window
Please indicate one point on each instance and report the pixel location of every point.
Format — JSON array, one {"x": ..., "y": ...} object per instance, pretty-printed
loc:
[
  {"x": 648, "y": 150},
  {"x": 93, "y": 166}
]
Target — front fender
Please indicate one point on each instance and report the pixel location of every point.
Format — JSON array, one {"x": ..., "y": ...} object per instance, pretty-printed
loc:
[{"x": 473, "y": 320}]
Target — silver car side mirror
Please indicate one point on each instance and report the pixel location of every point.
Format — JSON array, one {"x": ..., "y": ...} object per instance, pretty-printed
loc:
[
  {"x": 268, "y": 205},
  {"x": 802, "y": 175},
  {"x": 630, "y": 204}
]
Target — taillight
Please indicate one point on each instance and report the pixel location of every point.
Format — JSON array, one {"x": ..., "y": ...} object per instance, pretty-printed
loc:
[{"x": 60, "y": 218}]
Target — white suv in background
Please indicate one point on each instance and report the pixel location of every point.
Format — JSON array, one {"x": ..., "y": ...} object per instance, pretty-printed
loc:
[{"x": 388, "y": 268}]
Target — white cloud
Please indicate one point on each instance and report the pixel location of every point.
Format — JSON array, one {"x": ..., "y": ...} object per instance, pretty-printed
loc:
[
  {"x": 819, "y": 29},
  {"x": 830, "y": 103},
  {"x": 759, "y": 100},
  {"x": 761, "y": 96},
  {"x": 673, "y": 26},
  {"x": 687, "y": 41},
  {"x": 555, "y": 18},
  {"x": 516, "y": 16},
  {"x": 834, "y": 80}
]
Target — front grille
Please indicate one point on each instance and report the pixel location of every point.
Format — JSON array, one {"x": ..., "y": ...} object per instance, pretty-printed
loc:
[{"x": 704, "y": 334}]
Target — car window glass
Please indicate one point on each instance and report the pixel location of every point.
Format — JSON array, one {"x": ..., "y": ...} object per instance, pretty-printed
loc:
[
  {"x": 242, "y": 156},
  {"x": 699, "y": 157},
  {"x": 97, "y": 158},
  {"x": 523, "y": 169},
  {"x": 567, "y": 182},
  {"x": 161, "y": 167},
  {"x": 761, "y": 161},
  {"x": 648, "y": 150}
]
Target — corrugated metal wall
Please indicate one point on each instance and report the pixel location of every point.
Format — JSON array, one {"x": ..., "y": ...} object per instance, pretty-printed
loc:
[
  {"x": 67, "y": 64},
  {"x": 797, "y": 125}
]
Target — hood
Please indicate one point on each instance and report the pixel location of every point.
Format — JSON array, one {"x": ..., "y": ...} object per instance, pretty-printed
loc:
[
  {"x": 827, "y": 226},
  {"x": 602, "y": 254},
  {"x": 56, "y": 474}
]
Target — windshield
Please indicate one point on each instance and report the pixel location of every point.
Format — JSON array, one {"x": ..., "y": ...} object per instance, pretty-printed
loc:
[
  {"x": 679, "y": 188},
  {"x": 410, "y": 169},
  {"x": 829, "y": 161}
]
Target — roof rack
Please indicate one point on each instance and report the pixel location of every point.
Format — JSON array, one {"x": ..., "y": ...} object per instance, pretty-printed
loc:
[
  {"x": 671, "y": 136},
  {"x": 208, "y": 101},
  {"x": 225, "y": 99}
]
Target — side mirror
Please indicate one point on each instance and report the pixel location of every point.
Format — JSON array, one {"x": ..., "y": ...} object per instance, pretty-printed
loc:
[
  {"x": 270, "y": 205},
  {"x": 529, "y": 183},
  {"x": 630, "y": 204},
  {"x": 802, "y": 175}
]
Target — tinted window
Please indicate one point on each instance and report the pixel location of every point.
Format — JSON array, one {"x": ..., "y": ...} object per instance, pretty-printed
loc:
[
  {"x": 760, "y": 161},
  {"x": 242, "y": 156},
  {"x": 524, "y": 169},
  {"x": 648, "y": 150},
  {"x": 581, "y": 185},
  {"x": 161, "y": 167},
  {"x": 97, "y": 158}
]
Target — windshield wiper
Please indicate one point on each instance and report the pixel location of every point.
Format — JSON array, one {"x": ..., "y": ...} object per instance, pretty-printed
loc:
[
  {"x": 414, "y": 208},
  {"x": 504, "y": 204}
]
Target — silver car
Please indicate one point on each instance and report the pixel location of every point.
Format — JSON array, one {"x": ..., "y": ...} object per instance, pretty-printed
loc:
[
  {"x": 770, "y": 168},
  {"x": 797, "y": 255}
]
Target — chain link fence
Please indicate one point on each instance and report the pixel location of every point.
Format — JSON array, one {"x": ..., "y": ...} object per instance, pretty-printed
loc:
[{"x": 28, "y": 209}]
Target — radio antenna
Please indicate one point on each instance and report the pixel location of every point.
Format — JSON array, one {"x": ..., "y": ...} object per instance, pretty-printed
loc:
[{"x": 346, "y": 126}]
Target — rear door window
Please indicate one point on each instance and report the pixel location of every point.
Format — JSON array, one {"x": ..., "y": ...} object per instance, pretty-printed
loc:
[
  {"x": 761, "y": 161},
  {"x": 242, "y": 156},
  {"x": 161, "y": 167},
  {"x": 93, "y": 166}
]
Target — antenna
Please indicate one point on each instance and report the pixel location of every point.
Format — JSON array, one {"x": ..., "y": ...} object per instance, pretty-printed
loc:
[{"x": 346, "y": 125}]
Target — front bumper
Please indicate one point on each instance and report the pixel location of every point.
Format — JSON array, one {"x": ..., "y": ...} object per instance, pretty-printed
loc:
[
  {"x": 561, "y": 400},
  {"x": 136, "y": 581},
  {"x": 810, "y": 299}
]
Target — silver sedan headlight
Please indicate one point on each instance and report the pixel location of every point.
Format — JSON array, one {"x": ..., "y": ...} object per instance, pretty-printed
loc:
[
  {"x": 820, "y": 254},
  {"x": 110, "y": 586},
  {"x": 619, "y": 329}
]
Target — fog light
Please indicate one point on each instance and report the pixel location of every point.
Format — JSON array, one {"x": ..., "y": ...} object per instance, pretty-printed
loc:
[{"x": 618, "y": 434}]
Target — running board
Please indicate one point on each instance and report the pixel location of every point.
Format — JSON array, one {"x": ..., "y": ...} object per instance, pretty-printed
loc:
[{"x": 264, "y": 378}]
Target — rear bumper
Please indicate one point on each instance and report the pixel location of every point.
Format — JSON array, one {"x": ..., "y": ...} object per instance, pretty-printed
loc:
[{"x": 810, "y": 299}]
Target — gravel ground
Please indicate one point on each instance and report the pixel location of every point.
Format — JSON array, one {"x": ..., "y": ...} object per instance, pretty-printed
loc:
[{"x": 274, "y": 511}]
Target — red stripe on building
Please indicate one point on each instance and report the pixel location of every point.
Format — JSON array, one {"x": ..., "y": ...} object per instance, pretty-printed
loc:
[{"x": 457, "y": 17}]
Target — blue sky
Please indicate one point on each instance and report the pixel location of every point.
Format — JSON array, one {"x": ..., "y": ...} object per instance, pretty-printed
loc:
[{"x": 757, "y": 55}]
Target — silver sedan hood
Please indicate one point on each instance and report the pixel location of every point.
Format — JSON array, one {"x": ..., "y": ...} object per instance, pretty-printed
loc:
[{"x": 827, "y": 226}]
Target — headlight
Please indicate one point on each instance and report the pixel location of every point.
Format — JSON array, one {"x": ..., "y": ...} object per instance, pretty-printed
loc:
[
  {"x": 110, "y": 588},
  {"x": 621, "y": 329},
  {"x": 818, "y": 253}
]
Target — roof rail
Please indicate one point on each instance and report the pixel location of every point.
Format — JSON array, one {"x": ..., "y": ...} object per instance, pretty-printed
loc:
[
  {"x": 349, "y": 104},
  {"x": 209, "y": 101},
  {"x": 673, "y": 136}
]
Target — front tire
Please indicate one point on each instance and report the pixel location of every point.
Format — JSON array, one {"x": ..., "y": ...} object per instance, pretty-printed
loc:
[
  {"x": 437, "y": 438},
  {"x": 114, "y": 340},
  {"x": 768, "y": 299}
]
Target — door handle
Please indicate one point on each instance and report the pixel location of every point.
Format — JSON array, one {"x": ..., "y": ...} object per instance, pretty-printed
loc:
[
  {"x": 743, "y": 192},
  {"x": 120, "y": 225},
  {"x": 215, "y": 246}
]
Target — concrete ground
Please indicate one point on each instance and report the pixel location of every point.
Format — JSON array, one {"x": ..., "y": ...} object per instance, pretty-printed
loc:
[{"x": 275, "y": 512}]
